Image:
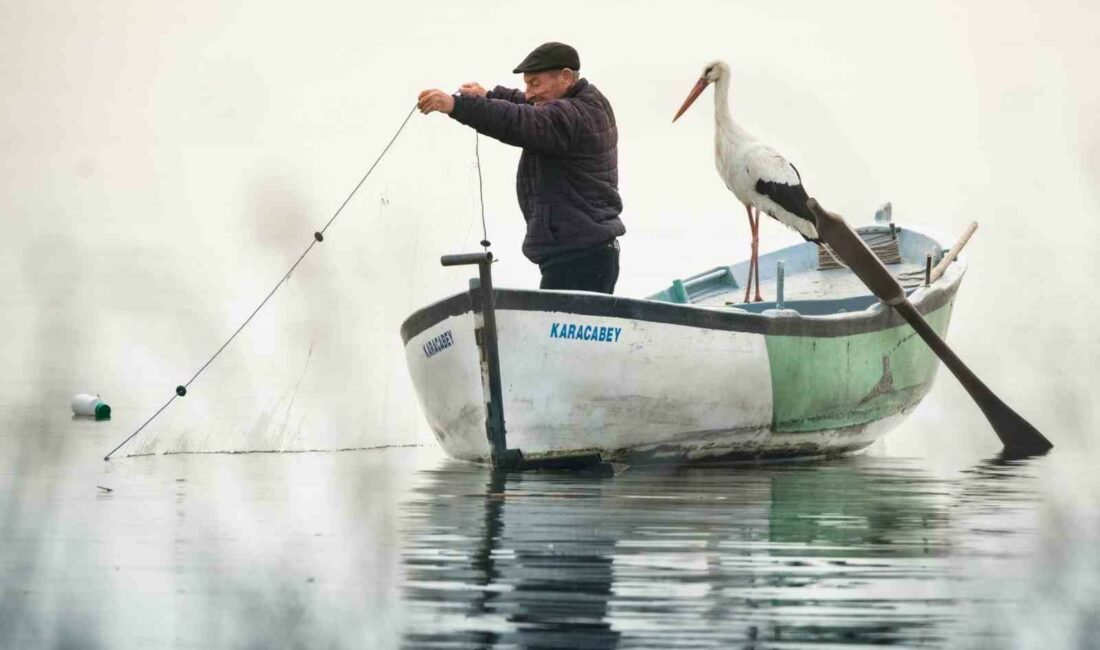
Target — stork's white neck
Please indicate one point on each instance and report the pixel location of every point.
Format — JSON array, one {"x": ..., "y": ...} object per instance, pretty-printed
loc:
[{"x": 723, "y": 121}]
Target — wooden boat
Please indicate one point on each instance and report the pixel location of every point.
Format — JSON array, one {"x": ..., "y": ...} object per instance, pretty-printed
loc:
[{"x": 688, "y": 372}]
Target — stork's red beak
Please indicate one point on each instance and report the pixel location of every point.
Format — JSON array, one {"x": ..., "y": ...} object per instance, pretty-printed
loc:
[{"x": 700, "y": 86}]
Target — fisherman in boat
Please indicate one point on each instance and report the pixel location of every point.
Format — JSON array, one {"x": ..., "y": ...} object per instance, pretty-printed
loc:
[{"x": 567, "y": 183}]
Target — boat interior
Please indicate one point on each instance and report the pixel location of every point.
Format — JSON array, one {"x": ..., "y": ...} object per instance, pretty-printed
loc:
[{"x": 807, "y": 278}]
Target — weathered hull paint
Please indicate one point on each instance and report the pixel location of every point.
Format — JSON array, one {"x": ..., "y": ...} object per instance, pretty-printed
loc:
[
  {"x": 448, "y": 385},
  {"x": 653, "y": 396},
  {"x": 827, "y": 383},
  {"x": 639, "y": 391}
]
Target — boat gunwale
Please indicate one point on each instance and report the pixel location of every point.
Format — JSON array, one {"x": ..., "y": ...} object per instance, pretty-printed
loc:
[
  {"x": 773, "y": 322},
  {"x": 779, "y": 322}
]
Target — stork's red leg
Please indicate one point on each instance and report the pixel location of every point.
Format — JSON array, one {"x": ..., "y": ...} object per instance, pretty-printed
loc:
[
  {"x": 756, "y": 253},
  {"x": 752, "y": 253}
]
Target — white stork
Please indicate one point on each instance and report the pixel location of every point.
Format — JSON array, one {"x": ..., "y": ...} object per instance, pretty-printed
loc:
[{"x": 758, "y": 176}]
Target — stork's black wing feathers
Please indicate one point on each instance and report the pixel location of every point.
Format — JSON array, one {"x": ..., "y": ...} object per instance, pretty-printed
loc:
[{"x": 791, "y": 198}]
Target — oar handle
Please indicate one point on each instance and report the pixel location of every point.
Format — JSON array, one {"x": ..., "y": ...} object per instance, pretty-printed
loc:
[{"x": 953, "y": 252}]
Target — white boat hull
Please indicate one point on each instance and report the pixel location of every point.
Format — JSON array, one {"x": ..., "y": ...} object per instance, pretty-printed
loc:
[{"x": 641, "y": 380}]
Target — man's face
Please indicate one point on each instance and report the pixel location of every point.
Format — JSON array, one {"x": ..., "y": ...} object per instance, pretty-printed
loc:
[{"x": 547, "y": 85}]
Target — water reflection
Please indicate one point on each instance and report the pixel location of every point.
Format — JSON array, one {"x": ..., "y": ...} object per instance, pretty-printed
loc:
[
  {"x": 524, "y": 559},
  {"x": 852, "y": 551}
]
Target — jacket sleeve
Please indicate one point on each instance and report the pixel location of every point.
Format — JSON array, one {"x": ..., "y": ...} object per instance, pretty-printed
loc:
[
  {"x": 547, "y": 129},
  {"x": 508, "y": 95}
]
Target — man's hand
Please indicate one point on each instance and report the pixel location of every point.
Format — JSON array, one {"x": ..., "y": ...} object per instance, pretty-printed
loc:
[
  {"x": 473, "y": 88},
  {"x": 433, "y": 100}
]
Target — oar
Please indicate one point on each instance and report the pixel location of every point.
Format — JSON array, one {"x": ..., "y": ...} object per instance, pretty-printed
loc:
[{"x": 1017, "y": 434}]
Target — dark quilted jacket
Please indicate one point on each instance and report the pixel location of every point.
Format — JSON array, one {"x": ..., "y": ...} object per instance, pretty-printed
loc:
[{"x": 568, "y": 176}]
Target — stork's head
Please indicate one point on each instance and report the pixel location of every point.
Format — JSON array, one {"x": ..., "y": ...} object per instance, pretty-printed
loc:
[{"x": 714, "y": 71}]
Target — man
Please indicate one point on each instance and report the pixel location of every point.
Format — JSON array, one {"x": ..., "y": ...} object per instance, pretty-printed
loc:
[{"x": 567, "y": 183}]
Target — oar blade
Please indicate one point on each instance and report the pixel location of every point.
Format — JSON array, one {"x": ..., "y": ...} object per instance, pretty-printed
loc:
[{"x": 1017, "y": 435}]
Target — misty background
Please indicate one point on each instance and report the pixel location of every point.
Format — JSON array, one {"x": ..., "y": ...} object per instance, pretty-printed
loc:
[{"x": 162, "y": 165}]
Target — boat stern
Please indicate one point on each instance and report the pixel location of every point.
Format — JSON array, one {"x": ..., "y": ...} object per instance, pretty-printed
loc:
[{"x": 445, "y": 369}]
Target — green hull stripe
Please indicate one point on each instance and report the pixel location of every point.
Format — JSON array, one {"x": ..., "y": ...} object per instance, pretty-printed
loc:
[{"x": 826, "y": 383}]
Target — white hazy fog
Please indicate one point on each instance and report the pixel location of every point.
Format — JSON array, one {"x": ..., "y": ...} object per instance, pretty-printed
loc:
[{"x": 161, "y": 166}]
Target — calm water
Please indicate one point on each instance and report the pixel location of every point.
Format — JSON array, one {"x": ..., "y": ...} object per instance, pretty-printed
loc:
[
  {"x": 404, "y": 548},
  {"x": 861, "y": 551}
]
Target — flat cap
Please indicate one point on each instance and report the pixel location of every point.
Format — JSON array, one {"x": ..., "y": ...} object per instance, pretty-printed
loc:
[{"x": 550, "y": 56}]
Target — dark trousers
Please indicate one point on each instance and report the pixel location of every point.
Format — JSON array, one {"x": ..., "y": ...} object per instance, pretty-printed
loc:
[{"x": 595, "y": 270}]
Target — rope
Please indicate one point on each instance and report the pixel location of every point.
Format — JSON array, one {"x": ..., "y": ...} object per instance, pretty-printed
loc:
[
  {"x": 836, "y": 260},
  {"x": 318, "y": 237},
  {"x": 883, "y": 245}
]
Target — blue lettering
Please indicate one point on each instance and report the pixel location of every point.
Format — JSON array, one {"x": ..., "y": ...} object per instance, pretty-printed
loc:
[
  {"x": 438, "y": 344},
  {"x": 572, "y": 331}
]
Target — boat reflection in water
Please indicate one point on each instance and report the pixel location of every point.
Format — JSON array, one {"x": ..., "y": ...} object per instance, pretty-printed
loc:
[
  {"x": 524, "y": 559},
  {"x": 852, "y": 551}
]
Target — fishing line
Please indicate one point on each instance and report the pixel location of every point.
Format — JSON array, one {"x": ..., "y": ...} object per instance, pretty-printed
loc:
[
  {"x": 485, "y": 243},
  {"x": 318, "y": 237}
]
